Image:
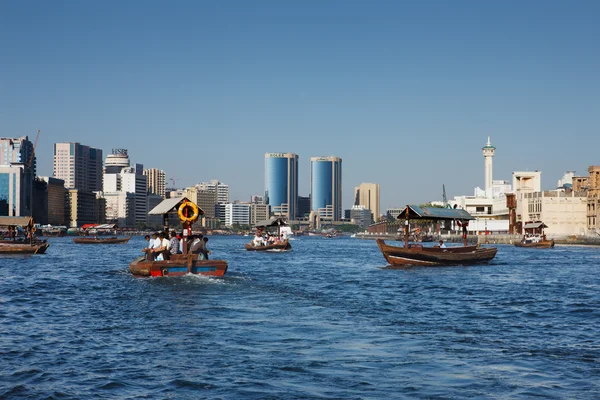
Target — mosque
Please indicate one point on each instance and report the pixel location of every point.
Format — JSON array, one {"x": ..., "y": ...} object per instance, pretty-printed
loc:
[{"x": 488, "y": 205}]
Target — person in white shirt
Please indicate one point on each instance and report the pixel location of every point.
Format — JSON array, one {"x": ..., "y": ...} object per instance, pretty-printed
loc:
[
  {"x": 442, "y": 245},
  {"x": 162, "y": 248},
  {"x": 152, "y": 244}
]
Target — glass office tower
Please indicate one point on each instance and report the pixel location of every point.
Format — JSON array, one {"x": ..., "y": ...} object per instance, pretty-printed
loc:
[
  {"x": 281, "y": 183},
  {"x": 326, "y": 187}
]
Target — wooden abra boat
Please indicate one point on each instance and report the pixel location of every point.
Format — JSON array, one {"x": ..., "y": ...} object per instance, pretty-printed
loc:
[
  {"x": 21, "y": 245},
  {"x": 178, "y": 264},
  {"x": 416, "y": 254},
  {"x": 24, "y": 248},
  {"x": 259, "y": 244},
  {"x": 282, "y": 246},
  {"x": 535, "y": 237},
  {"x": 99, "y": 240}
]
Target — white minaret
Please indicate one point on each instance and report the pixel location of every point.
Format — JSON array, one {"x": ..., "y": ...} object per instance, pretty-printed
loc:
[{"x": 488, "y": 154}]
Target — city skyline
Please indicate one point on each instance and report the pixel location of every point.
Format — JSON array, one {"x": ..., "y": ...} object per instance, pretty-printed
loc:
[{"x": 392, "y": 88}]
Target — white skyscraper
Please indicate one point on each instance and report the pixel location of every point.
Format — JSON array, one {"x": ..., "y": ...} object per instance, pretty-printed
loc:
[{"x": 122, "y": 179}]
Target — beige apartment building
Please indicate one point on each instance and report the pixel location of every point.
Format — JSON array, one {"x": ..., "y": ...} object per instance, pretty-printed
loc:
[
  {"x": 156, "y": 183},
  {"x": 367, "y": 195},
  {"x": 564, "y": 212}
]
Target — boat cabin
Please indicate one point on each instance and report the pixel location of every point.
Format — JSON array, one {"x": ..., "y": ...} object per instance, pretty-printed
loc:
[
  {"x": 14, "y": 227},
  {"x": 187, "y": 211},
  {"x": 412, "y": 212},
  {"x": 534, "y": 232}
]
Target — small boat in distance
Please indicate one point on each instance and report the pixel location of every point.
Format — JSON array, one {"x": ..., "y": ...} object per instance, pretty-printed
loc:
[
  {"x": 535, "y": 237},
  {"x": 417, "y": 254},
  {"x": 275, "y": 241},
  {"x": 101, "y": 240}
]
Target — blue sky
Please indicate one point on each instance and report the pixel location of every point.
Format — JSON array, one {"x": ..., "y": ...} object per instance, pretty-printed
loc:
[{"x": 405, "y": 92}]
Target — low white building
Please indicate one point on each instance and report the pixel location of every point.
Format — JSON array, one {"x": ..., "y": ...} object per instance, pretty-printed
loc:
[{"x": 236, "y": 214}]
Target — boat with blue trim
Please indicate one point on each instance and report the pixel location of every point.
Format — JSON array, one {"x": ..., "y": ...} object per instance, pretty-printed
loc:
[{"x": 178, "y": 264}]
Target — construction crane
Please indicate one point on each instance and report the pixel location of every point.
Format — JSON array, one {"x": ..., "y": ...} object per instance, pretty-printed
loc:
[
  {"x": 33, "y": 150},
  {"x": 444, "y": 198},
  {"x": 173, "y": 179}
]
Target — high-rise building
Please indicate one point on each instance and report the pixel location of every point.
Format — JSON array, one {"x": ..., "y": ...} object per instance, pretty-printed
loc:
[
  {"x": 221, "y": 189},
  {"x": 121, "y": 178},
  {"x": 83, "y": 208},
  {"x": 79, "y": 166},
  {"x": 49, "y": 201},
  {"x": 17, "y": 174},
  {"x": 116, "y": 161},
  {"x": 157, "y": 180},
  {"x": 303, "y": 207},
  {"x": 18, "y": 151},
  {"x": 206, "y": 200},
  {"x": 281, "y": 184},
  {"x": 326, "y": 187},
  {"x": 367, "y": 195}
]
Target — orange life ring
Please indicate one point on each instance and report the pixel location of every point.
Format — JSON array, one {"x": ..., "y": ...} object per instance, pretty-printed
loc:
[{"x": 181, "y": 210}]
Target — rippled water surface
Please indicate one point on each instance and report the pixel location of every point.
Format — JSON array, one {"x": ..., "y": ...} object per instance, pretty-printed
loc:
[{"x": 323, "y": 321}]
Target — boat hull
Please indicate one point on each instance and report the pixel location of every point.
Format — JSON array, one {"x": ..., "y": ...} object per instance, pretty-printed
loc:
[
  {"x": 284, "y": 246},
  {"x": 178, "y": 265},
  {"x": 544, "y": 244},
  {"x": 435, "y": 256},
  {"x": 24, "y": 248},
  {"x": 102, "y": 240}
]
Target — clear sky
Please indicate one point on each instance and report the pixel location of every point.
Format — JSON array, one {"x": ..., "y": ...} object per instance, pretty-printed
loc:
[{"x": 405, "y": 92}]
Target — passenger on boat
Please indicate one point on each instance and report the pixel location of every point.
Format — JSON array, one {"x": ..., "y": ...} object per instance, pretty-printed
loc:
[
  {"x": 258, "y": 240},
  {"x": 442, "y": 245},
  {"x": 162, "y": 252},
  {"x": 197, "y": 246},
  {"x": 173, "y": 243},
  {"x": 206, "y": 251},
  {"x": 152, "y": 242}
]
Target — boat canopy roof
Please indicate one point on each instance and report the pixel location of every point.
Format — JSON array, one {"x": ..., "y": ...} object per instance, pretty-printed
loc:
[
  {"x": 16, "y": 221},
  {"x": 271, "y": 222},
  {"x": 168, "y": 205},
  {"x": 434, "y": 213},
  {"x": 535, "y": 225},
  {"x": 99, "y": 226}
]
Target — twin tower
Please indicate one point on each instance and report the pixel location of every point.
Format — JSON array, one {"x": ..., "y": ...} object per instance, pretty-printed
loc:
[{"x": 281, "y": 186}]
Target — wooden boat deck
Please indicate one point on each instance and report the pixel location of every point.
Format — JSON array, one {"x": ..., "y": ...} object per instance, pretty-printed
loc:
[
  {"x": 27, "y": 248},
  {"x": 178, "y": 265}
]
